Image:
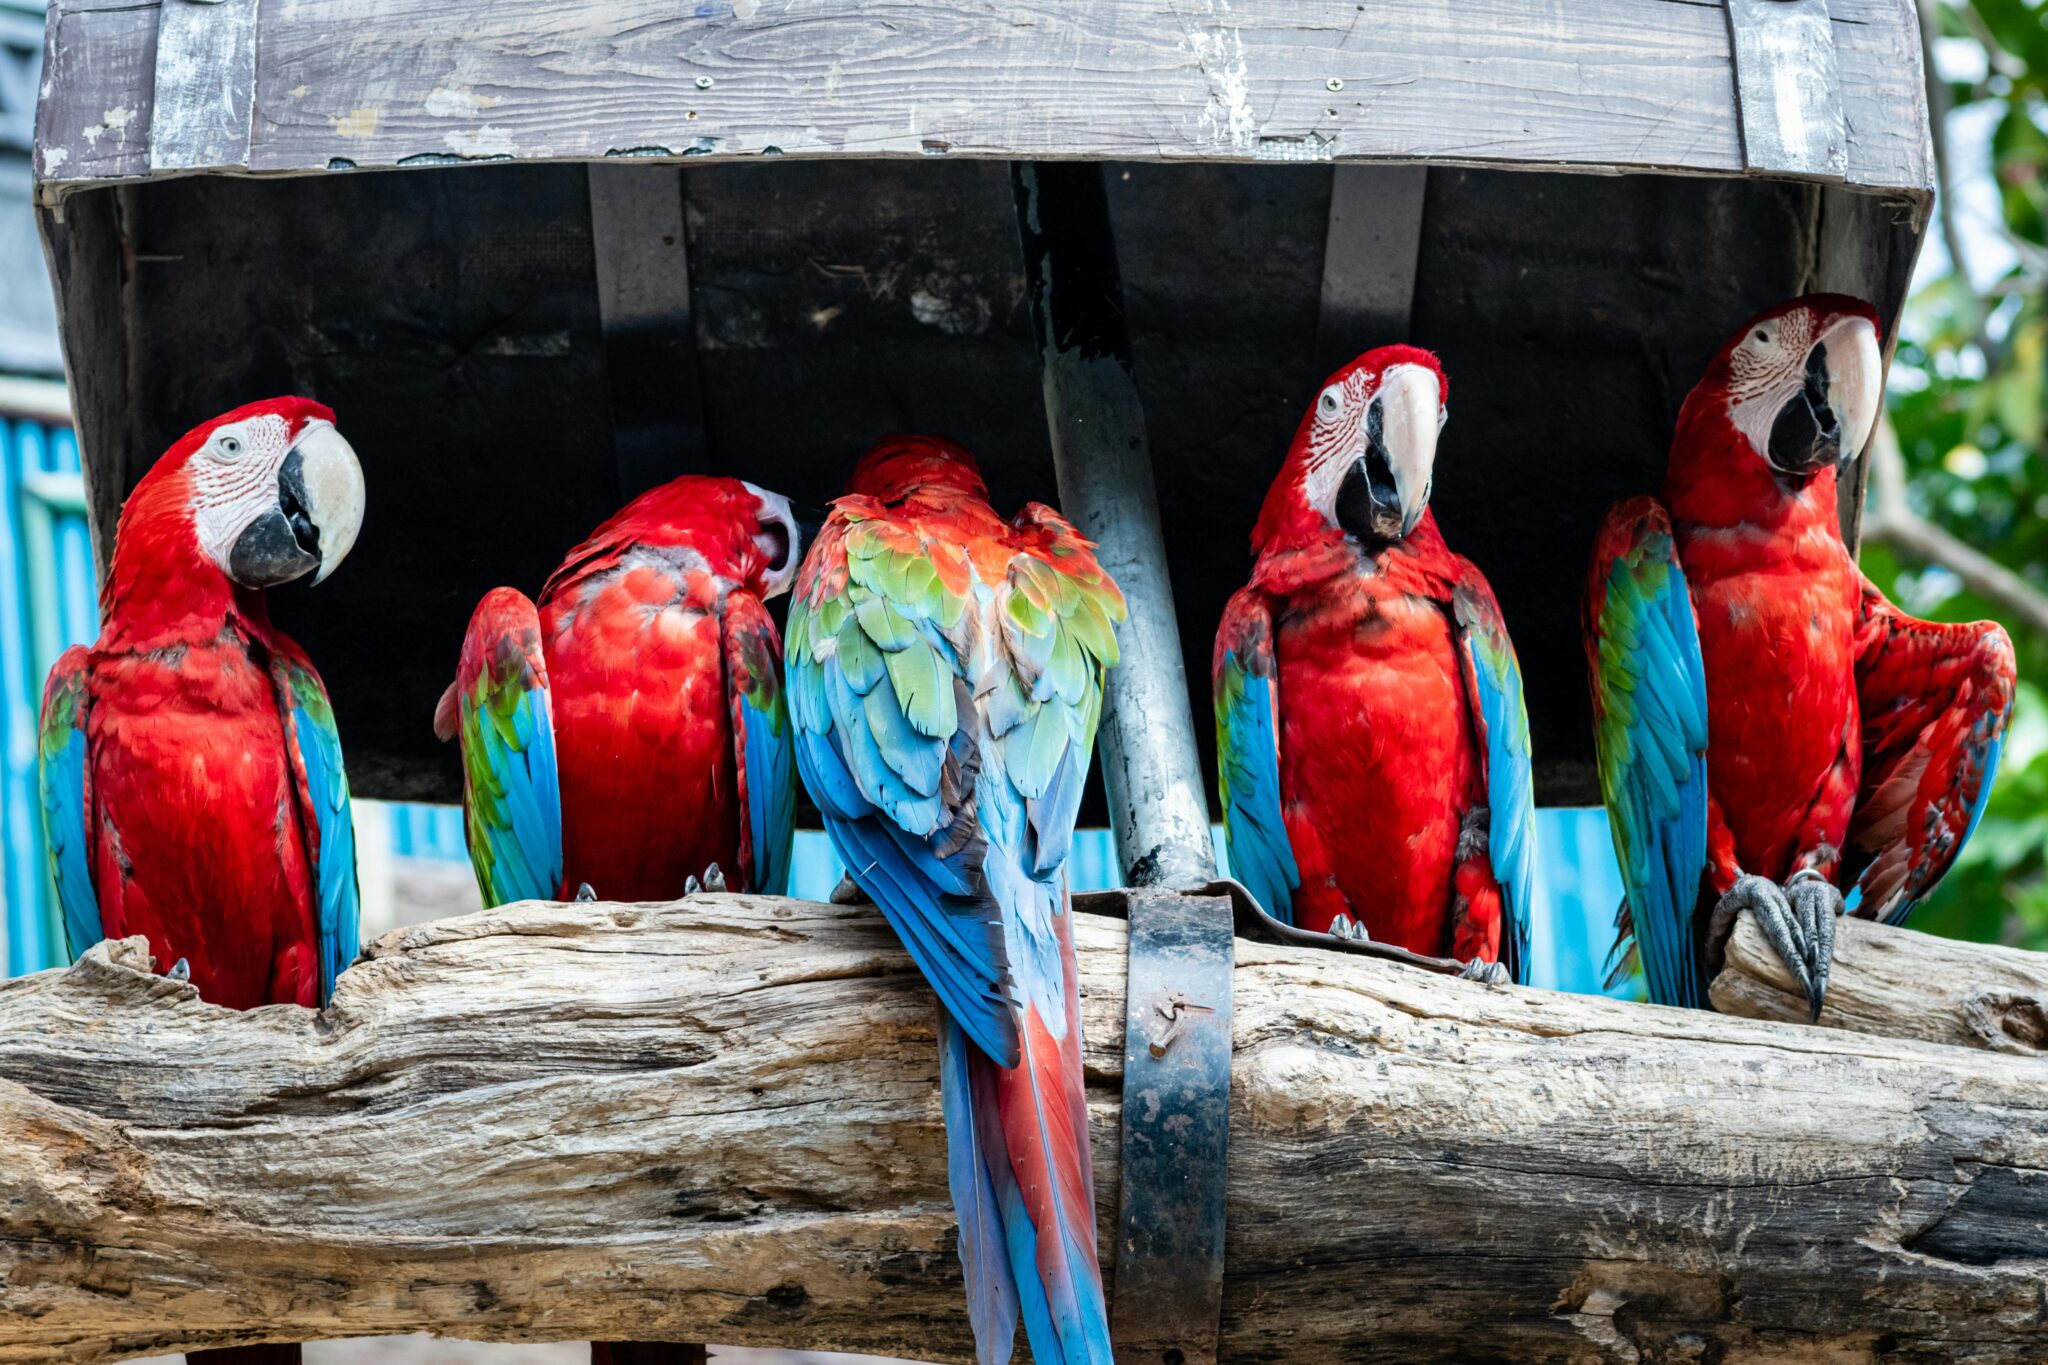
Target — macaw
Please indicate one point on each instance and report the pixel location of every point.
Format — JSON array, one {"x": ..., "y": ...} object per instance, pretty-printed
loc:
[
  {"x": 1773, "y": 735},
  {"x": 945, "y": 679},
  {"x": 191, "y": 775},
  {"x": 1371, "y": 738},
  {"x": 628, "y": 735}
]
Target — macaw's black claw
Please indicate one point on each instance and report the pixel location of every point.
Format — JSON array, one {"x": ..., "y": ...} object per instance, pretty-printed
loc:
[
  {"x": 181, "y": 970},
  {"x": 848, "y": 892},
  {"x": 714, "y": 880},
  {"x": 1817, "y": 905},
  {"x": 584, "y": 893},
  {"x": 692, "y": 887},
  {"x": 1775, "y": 915}
]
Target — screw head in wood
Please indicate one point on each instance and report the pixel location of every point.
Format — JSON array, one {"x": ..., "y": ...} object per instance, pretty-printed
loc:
[
  {"x": 703, "y": 82},
  {"x": 1333, "y": 84}
]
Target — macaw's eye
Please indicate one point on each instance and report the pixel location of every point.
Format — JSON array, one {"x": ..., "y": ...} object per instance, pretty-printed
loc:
[
  {"x": 229, "y": 446},
  {"x": 1763, "y": 338},
  {"x": 1331, "y": 403}
]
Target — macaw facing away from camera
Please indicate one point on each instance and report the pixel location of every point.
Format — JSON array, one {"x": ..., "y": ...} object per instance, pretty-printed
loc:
[
  {"x": 191, "y": 775},
  {"x": 945, "y": 672},
  {"x": 1773, "y": 735},
  {"x": 1371, "y": 737},
  {"x": 629, "y": 734}
]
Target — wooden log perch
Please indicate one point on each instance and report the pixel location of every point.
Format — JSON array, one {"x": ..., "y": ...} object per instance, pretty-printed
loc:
[
  {"x": 1900, "y": 984},
  {"x": 718, "y": 1120}
]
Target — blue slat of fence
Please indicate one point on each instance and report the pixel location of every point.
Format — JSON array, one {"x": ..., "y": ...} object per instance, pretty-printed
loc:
[{"x": 47, "y": 603}]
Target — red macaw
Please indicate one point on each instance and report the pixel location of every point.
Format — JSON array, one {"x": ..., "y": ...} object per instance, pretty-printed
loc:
[
  {"x": 945, "y": 677},
  {"x": 1773, "y": 735},
  {"x": 191, "y": 776},
  {"x": 628, "y": 734},
  {"x": 1372, "y": 743}
]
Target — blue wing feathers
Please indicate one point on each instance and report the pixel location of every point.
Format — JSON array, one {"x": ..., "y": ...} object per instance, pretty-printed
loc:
[
  {"x": 1248, "y": 754},
  {"x": 65, "y": 793},
  {"x": 325, "y": 813}
]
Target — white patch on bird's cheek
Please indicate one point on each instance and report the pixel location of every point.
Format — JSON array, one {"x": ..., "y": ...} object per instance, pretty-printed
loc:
[
  {"x": 1336, "y": 441},
  {"x": 1766, "y": 369},
  {"x": 231, "y": 488}
]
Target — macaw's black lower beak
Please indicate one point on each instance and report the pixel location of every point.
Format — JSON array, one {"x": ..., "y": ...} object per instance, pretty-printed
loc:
[
  {"x": 1806, "y": 437},
  {"x": 283, "y": 543},
  {"x": 809, "y": 522},
  {"x": 1369, "y": 500}
]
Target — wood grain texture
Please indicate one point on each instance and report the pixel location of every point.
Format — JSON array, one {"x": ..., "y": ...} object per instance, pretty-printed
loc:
[
  {"x": 1592, "y": 83},
  {"x": 717, "y": 1119},
  {"x": 1900, "y": 984}
]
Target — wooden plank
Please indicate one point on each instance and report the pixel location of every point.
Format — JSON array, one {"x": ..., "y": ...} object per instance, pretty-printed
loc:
[
  {"x": 1369, "y": 259},
  {"x": 205, "y": 85},
  {"x": 1884, "y": 99},
  {"x": 643, "y": 299},
  {"x": 99, "y": 63},
  {"x": 1596, "y": 82},
  {"x": 1788, "y": 88},
  {"x": 1592, "y": 83},
  {"x": 718, "y": 1117}
]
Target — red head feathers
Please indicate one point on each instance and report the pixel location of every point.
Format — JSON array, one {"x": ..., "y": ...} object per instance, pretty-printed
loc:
[{"x": 1363, "y": 457}]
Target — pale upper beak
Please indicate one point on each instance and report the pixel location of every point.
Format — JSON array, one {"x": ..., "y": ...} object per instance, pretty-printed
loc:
[
  {"x": 780, "y": 541},
  {"x": 1411, "y": 406},
  {"x": 313, "y": 524},
  {"x": 1855, "y": 380},
  {"x": 1828, "y": 418}
]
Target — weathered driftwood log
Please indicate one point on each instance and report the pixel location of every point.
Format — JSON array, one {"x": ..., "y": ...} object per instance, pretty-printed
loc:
[
  {"x": 716, "y": 1120},
  {"x": 1900, "y": 984}
]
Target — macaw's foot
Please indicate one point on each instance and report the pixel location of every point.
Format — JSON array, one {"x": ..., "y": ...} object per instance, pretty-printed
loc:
[
  {"x": 181, "y": 970},
  {"x": 1799, "y": 921},
  {"x": 1343, "y": 926},
  {"x": 1491, "y": 973},
  {"x": 848, "y": 892},
  {"x": 584, "y": 894},
  {"x": 714, "y": 880}
]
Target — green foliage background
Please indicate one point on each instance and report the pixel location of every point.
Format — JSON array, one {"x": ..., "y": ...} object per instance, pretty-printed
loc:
[{"x": 1967, "y": 402}]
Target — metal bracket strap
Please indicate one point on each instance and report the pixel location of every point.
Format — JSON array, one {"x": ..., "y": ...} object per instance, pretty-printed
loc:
[
  {"x": 1788, "y": 91},
  {"x": 1176, "y": 1138},
  {"x": 205, "y": 85}
]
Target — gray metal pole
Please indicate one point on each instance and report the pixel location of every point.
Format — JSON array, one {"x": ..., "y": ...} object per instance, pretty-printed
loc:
[{"x": 1158, "y": 806}]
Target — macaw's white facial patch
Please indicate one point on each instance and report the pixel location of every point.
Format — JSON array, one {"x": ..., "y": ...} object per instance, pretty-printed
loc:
[
  {"x": 234, "y": 480},
  {"x": 1765, "y": 370}
]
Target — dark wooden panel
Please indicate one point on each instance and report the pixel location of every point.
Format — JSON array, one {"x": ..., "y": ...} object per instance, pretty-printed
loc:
[
  {"x": 452, "y": 323},
  {"x": 1596, "y": 83},
  {"x": 836, "y": 303}
]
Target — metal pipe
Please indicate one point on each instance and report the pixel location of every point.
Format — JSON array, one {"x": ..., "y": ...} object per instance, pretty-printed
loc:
[{"x": 1159, "y": 810}]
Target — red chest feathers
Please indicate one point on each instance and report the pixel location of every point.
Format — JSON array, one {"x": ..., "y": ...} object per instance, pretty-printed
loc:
[
  {"x": 197, "y": 842},
  {"x": 1778, "y": 643},
  {"x": 1378, "y": 760},
  {"x": 643, "y": 733}
]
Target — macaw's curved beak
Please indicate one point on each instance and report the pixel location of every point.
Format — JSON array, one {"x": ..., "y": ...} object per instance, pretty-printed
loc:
[
  {"x": 313, "y": 524},
  {"x": 1830, "y": 418},
  {"x": 1386, "y": 491}
]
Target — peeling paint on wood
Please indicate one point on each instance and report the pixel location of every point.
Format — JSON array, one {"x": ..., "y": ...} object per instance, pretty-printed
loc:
[
  {"x": 205, "y": 85},
  {"x": 1787, "y": 87}
]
